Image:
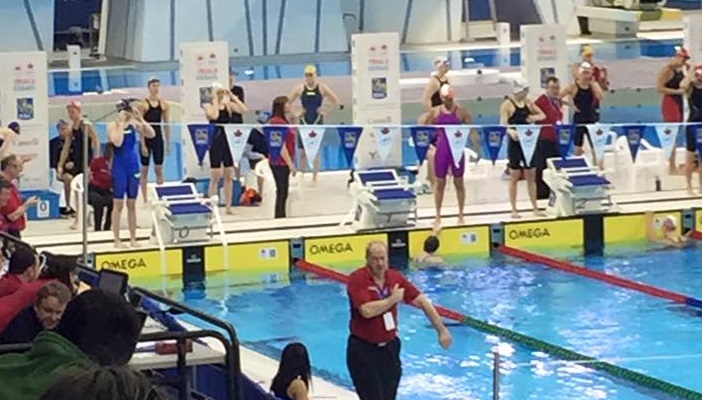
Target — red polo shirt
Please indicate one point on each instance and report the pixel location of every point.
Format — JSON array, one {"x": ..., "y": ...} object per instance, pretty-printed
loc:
[
  {"x": 100, "y": 175},
  {"x": 553, "y": 108},
  {"x": 289, "y": 143},
  {"x": 9, "y": 284},
  {"x": 362, "y": 289},
  {"x": 13, "y": 304},
  {"x": 12, "y": 205}
]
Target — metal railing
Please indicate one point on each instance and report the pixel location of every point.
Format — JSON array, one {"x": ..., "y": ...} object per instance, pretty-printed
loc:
[{"x": 232, "y": 351}]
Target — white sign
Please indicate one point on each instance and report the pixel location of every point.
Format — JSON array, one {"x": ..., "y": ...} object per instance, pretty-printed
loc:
[
  {"x": 311, "y": 138},
  {"x": 667, "y": 135},
  {"x": 25, "y": 100},
  {"x": 547, "y": 54},
  {"x": 457, "y": 136},
  {"x": 599, "y": 133},
  {"x": 237, "y": 136},
  {"x": 201, "y": 64},
  {"x": 693, "y": 37},
  {"x": 528, "y": 136}
]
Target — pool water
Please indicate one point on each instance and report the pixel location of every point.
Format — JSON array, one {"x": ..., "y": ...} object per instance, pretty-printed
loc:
[{"x": 631, "y": 329}]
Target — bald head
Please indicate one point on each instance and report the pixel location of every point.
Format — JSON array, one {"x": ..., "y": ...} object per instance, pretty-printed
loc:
[{"x": 377, "y": 258}]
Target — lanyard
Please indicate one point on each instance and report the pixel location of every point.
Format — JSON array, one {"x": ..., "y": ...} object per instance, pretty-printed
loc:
[{"x": 383, "y": 293}]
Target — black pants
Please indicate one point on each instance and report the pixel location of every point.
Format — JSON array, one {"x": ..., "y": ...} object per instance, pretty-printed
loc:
[
  {"x": 101, "y": 200},
  {"x": 281, "y": 175},
  {"x": 14, "y": 233},
  {"x": 375, "y": 371},
  {"x": 545, "y": 149}
]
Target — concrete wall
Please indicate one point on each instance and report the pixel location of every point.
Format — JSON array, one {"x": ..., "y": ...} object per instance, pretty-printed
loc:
[
  {"x": 27, "y": 25},
  {"x": 154, "y": 30}
]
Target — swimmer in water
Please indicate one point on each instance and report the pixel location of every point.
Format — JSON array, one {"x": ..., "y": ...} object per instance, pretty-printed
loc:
[
  {"x": 669, "y": 231},
  {"x": 428, "y": 256}
]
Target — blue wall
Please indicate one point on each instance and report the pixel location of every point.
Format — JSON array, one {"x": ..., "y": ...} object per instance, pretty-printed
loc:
[{"x": 26, "y": 25}]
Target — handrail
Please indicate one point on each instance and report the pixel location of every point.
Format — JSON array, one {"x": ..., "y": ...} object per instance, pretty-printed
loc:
[{"x": 234, "y": 385}]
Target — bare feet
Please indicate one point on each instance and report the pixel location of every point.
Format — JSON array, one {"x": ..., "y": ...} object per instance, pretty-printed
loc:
[
  {"x": 119, "y": 244},
  {"x": 437, "y": 225},
  {"x": 690, "y": 192},
  {"x": 229, "y": 211},
  {"x": 539, "y": 213},
  {"x": 515, "y": 215},
  {"x": 461, "y": 220},
  {"x": 73, "y": 226},
  {"x": 134, "y": 243}
]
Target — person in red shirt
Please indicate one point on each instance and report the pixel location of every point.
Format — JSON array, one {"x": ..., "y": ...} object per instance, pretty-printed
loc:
[
  {"x": 100, "y": 190},
  {"x": 23, "y": 268},
  {"x": 282, "y": 166},
  {"x": 15, "y": 209},
  {"x": 373, "y": 349},
  {"x": 547, "y": 146}
]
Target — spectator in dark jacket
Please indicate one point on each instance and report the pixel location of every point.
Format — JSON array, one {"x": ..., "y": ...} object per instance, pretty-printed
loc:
[{"x": 45, "y": 314}]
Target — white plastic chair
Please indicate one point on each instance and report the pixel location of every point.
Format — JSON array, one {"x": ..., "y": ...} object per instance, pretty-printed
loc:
[
  {"x": 75, "y": 200},
  {"x": 650, "y": 163},
  {"x": 263, "y": 170}
]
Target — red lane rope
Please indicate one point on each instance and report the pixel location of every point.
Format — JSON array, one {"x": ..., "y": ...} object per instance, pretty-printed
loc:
[
  {"x": 586, "y": 272},
  {"x": 337, "y": 276},
  {"x": 697, "y": 235}
]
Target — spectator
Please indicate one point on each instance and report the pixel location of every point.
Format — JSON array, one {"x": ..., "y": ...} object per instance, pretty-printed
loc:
[
  {"x": 23, "y": 268},
  {"x": 55, "y": 148},
  {"x": 45, "y": 314},
  {"x": 100, "y": 195},
  {"x": 15, "y": 209},
  {"x": 294, "y": 376},
  {"x": 57, "y": 268},
  {"x": 282, "y": 166},
  {"x": 103, "y": 383},
  {"x": 97, "y": 328},
  {"x": 373, "y": 350},
  {"x": 71, "y": 161}
]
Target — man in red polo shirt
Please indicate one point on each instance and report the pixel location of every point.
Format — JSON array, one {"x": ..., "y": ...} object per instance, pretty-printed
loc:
[
  {"x": 15, "y": 209},
  {"x": 373, "y": 350},
  {"x": 23, "y": 268},
  {"x": 547, "y": 146}
]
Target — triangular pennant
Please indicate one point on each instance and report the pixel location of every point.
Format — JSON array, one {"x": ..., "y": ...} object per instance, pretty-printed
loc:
[
  {"x": 528, "y": 136},
  {"x": 599, "y": 133},
  {"x": 201, "y": 135},
  {"x": 457, "y": 136},
  {"x": 667, "y": 135},
  {"x": 237, "y": 136},
  {"x": 422, "y": 137},
  {"x": 493, "y": 137},
  {"x": 275, "y": 136},
  {"x": 697, "y": 133},
  {"x": 349, "y": 140},
  {"x": 634, "y": 134},
  {"x": 311, "y": 138},
  {"x": 384, "y": 138},
  {"x": 565, "y": 134}
]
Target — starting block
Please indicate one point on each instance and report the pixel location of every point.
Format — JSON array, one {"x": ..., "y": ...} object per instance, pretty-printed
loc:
[
  {"x": 576, "y": 188},
  {"x": 381, "y": 200},
  {"x": 181, "y": 214}
]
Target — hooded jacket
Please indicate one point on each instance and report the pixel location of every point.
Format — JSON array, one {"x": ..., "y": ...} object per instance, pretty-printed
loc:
[{"x": 26, "y": 376}]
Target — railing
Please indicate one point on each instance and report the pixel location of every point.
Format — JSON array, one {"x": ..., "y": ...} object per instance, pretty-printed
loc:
[{"x": 233, "y": 355}]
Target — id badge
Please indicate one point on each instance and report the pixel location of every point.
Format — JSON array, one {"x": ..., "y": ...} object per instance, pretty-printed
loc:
[{"x": 389, "y": 321}]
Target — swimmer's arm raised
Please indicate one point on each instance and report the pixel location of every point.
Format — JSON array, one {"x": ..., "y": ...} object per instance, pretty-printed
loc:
[
  {"x": 429, "y": 90},
  {"x": 597, "y": 90},
  {"x": 212, "y": 110},
  {"x": 115, "y": 135},
  {"x": 8, "y": 137}
]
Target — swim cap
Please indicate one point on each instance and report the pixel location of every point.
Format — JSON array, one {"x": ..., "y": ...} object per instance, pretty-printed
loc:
[
  {"x": 670, "y": 222},
  {"x": 74, "y": 104},
  {"x": 682, "y": 52},
  {"x": 587, "y": 51},
  {"x": 125, "y": 104},
  {"x": 14, "y": 127},
  {"x": 216, "y": 86},
  {"x": 439, "y": 61},
  {"x": 520, "y": 85},
  {"x": 310, "y": 69},
  {"x": 153, "y": 79},
  {"x": 447, "y": 92}
]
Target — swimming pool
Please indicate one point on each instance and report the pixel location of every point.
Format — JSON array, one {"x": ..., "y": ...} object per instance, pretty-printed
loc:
[{"x": 633, "y": 330}]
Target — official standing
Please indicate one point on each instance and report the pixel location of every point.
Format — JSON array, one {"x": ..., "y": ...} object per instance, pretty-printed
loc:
[{"x": 373, "y": 350}]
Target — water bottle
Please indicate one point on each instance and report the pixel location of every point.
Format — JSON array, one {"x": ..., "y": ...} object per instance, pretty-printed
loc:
[{"x": 658, "y": 184}]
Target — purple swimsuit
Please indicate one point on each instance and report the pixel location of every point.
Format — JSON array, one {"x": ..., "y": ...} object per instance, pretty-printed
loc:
[{"x": 444, "y": 159}]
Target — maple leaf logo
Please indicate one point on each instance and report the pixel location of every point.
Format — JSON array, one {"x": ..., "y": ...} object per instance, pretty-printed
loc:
[
  {"x": 667, "y": 131},
  {"x": 529, "y": 132},
  {"x": 385, "y": 131},
  {"x": 213, "y": 56},
  {"x": 30, "y": 66},
  {"x": 600, "y": 132},
  {"x": 312, "y": 134},
  {"x": 238, "y": 133},
  {"x": 458, "y": 134}
]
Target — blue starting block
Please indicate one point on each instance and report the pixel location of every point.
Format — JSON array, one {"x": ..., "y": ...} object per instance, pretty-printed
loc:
[
  {"x": 181, "y": 214},
  {"x": 576, "y": 188},
  {"x": 381, "y": 200}
]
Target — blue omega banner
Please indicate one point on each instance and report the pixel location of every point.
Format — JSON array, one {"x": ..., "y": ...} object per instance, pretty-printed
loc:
[
  {"x": 493, "y": 137},
  {"x": 275, "y": 136},
  {"x": 528, "y": 136},
  {"x": 565, "y": 135},
  {"x": 422, "y": 136},
  {"x": 349, "y": 140},
  {"x": 634, "y": 134},
  {"x": 667, "y": 136},
  {"x": 237, "y": 137},
  {"x": 201, "y": 135}
]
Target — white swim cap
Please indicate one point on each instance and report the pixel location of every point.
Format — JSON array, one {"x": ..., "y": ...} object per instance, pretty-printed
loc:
[
  {"x": 585, "y": 66},
  {"x": 670, "y": 221},
  {"x": 216, "y": 86},
  {"x": 519, "y": 85},
  {"x": 446, "y": 91}
]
